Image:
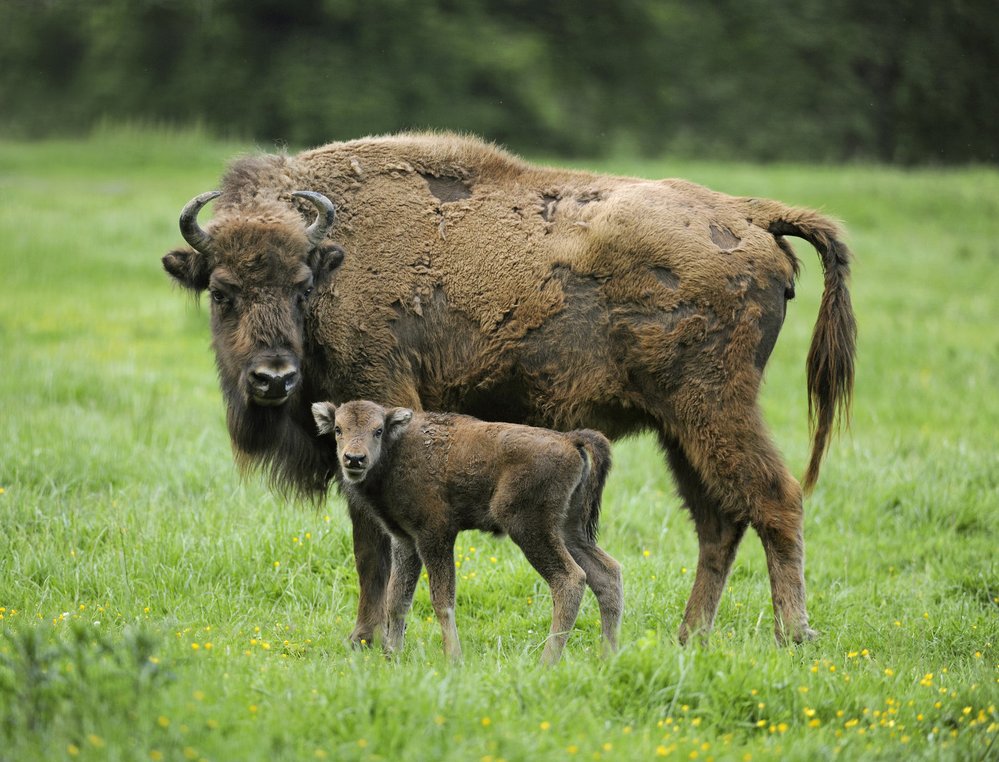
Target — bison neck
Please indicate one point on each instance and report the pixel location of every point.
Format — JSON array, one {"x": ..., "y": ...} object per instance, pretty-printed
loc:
[{"x": 279, "y": 441}]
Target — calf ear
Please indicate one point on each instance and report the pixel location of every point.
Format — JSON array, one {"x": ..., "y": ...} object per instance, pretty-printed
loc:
[
  {"x": 324, "y": 413},
  {"x": 397, "y": 419},
  {"x": 189, "y": 268},
  {"x": 323, "y": 260}
]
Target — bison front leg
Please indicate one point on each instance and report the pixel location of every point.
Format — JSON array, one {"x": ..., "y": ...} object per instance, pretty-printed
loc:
[
  {"x": 373, "y": 559},
  {"x": 406, "y": 566}
]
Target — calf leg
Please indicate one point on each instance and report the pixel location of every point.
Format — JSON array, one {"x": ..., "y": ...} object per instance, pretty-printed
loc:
[
  {"x": 548, "y": 554},
  {"x": 373, "y": 559},
  {"x": 718, "y": 539},
  {"x": 406, "y": 566},
  {"x": 438, "y": 556},
  {"x": 603, "y": 575}
]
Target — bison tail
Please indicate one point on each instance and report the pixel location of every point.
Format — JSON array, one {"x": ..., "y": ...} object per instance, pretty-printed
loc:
[
  {"x": 830, "y": 363},
  {"x": 595, "y": 450}
]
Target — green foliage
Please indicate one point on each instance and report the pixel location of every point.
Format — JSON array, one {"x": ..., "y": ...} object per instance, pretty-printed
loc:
[
  {"x": 67, "y": 682},
  {"x": 158, "y": 607},
  {"x": 753, "y": 79}
]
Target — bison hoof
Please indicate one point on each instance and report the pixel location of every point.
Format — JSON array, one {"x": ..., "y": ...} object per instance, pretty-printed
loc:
[{"x": 361, "y": 640}]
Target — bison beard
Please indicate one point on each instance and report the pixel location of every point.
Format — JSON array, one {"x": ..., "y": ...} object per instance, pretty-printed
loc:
[{"x": 475, "y": 283}]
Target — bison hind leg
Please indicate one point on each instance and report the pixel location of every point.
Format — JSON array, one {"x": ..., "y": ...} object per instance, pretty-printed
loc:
[
  {"x": 730, "y": 475},
  {"x": 718, "y": 538}
]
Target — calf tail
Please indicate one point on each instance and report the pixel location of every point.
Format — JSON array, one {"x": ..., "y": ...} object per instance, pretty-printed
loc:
[
  {"x": 595, "y": 451},
  {"x": 830, "y": 363}
]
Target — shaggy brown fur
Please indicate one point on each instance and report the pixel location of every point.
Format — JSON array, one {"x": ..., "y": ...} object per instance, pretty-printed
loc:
[
  {"x": 474, "y": 282},
  {"x": 426, "y": 477}
]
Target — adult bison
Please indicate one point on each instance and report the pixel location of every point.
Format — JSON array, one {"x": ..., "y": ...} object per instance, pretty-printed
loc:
[{"x": 464, "y": 279}]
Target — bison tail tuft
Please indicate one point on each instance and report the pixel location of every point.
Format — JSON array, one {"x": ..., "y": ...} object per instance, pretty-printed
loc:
[
  {"x": 830, "y": 363},
  {"x": 595, "y": 451}
]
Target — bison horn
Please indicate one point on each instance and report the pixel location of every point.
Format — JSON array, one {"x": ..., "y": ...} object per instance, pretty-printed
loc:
[
  {"x": 324, "y": 220},
  {"x": 193, "y": 233}
]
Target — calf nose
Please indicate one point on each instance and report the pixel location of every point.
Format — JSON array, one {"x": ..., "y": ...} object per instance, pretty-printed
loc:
[
  {"x": 354, "y": 461},
  {"x": 273, "y": 384}
]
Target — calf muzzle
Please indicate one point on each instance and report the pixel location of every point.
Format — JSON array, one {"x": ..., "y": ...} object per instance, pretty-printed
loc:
[
  {"x": 354, "y": 461},
  {"x": 354, "y": 466}
]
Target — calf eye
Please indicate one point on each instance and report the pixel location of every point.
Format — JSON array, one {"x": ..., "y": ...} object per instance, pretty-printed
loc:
[
  {"x": 378, "y": 433},
  {"x": 218, "y": 297},
  {"x": 336, "y": 431}
]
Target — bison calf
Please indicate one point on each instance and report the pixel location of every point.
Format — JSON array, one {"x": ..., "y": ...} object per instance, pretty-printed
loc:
[{"x": 427, "y": 476}]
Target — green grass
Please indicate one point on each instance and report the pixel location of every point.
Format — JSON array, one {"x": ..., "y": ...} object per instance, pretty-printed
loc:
[{"x": 158, "y": 607}]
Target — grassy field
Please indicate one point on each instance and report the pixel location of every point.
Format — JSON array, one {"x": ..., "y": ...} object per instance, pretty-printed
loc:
[{"x": 157, "y": 607}]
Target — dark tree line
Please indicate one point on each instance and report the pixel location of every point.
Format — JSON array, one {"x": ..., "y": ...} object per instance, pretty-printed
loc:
[{"x": 754, "y": 79}]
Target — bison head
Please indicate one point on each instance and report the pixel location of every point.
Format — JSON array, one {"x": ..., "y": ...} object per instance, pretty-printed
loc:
[
  {"x": 260, "y": 267},
  {"x": 360, "y": 428}
]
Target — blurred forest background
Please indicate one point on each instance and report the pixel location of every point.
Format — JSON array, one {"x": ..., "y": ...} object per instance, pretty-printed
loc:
[{"x": 812, "y": 80}]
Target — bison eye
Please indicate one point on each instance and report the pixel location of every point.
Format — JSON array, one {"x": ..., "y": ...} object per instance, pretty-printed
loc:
[
  {"x": 307, "y": 291},
  {"x": 378, "y": 433},
  {"x": 336, "y": 431},
  {"x": 218, "y": 297}
]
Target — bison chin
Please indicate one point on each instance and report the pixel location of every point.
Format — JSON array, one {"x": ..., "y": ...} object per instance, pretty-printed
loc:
[
  {"x": 258, "y": 428},
  {"x": 279, "y": 441}
]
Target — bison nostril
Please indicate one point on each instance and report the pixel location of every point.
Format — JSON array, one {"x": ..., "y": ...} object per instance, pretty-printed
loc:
[
  {"x": 261, "y": 378},
  {"x": 289, "y": 380},
  {"x": 354, "y": 461},
  {"x": 269, "y": 383}
]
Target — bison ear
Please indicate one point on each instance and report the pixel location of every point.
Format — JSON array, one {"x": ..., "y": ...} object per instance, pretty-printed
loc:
[
  {"x": 323, "y": 260},
  {"x": 397, "y": 419},
  {"x": 324, "y": 413},
  {"x": 189, "y": 268}
]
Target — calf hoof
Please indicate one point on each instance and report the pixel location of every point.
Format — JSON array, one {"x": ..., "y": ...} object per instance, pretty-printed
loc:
[
  {"x": 799, "y": 635},
  {"x": 806, "y": 634},
  {"x": 689, "y": 636}
]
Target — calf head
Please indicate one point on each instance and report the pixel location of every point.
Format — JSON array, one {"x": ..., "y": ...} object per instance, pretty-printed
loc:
[
  {"x": 260, "y": 267},
  {"x": 362, "y": 429}
]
